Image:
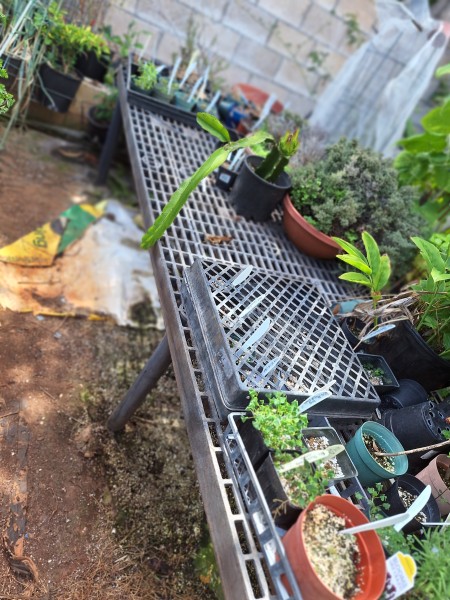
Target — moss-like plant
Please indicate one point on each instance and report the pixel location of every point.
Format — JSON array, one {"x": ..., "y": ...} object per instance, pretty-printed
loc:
[
  {"x": 281, "y": 425},
  {"x": 353, "y": 189}
]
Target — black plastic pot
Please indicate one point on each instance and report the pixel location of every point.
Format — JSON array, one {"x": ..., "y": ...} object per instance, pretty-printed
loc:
[
  {"x": 414, "y": 486},
  {"x": 253, "y": 441},
  {"x": 351, "y": 325},
  {"x": 253, "y": 197},
  {"x": 97, "y": 129},
  {"x": 283, "y": 511},
  {"x": 409, "y": 393},
  {"x": 57, "y": 89},
  {"x": 89, "y": 65},
  {"x": 372, "y": 361},
  {"x": 417, "y": 426},
  {"x": 410, "y": 357}
]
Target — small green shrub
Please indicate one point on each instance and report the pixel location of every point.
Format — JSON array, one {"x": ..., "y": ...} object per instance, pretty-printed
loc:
[{"x": 353, "y": 189}]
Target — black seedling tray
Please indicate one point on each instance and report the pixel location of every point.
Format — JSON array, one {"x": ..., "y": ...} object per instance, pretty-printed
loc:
[
  {"x": 137, "y": 98},
  {"x": 302, "y": 348},
  {"x": 375, "y": 361}
]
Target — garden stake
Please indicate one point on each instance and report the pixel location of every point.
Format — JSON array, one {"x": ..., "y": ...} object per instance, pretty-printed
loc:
[{"x": 424, "y": 449}]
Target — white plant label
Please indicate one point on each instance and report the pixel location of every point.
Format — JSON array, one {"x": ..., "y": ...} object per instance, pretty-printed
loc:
[
  {"x": 378, "y": 331},
  {"x": 313, "y": 400},
  {"x": 313, "y": 456},
  {"x": 401, "y": 571}
]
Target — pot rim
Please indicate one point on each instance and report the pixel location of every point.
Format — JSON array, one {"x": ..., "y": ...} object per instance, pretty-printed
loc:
[
  {"x": 253, "y": 158},
  {"x": 300, "y": 220}
]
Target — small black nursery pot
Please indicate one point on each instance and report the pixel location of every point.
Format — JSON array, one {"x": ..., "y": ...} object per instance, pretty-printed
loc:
[
  {"x": 409, "y": 393},
  {"x": 380, "y": 375},
  {"x": 401, "y": 494}
]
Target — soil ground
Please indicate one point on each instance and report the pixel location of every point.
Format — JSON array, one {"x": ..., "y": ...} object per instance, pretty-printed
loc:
[{"x": 86, "y": 514}]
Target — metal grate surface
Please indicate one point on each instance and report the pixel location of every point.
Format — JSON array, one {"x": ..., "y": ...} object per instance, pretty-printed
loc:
[
  {"x": 168, "y": 153},
  {"x": 269, "y": 332}
]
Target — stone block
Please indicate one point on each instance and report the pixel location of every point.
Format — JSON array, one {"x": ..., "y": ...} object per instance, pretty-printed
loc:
[
  {"x": 250, "y": 21},
  {"x": 290, "y": 41},
  {"x": 291, "y": 11},
  {"x": 168, "y": 47},
  {"x": 301, "y": 104},
  {"x": 364, "y": 11},
  {"x": 296, "y": 77},
  {"x": 233, "y": 75},
  {"x": 213, "y": 9},
  {"x": 170, "y": 15},
  {"x": 256, "y": 58},
  {"x": 324, "y": 26},
  {"x": 334, "y": 63},
  {"x": 217, "y": 39}
]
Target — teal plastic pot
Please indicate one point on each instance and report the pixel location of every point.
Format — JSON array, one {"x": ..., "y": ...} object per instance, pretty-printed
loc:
[{"x": 369, "y": 471}]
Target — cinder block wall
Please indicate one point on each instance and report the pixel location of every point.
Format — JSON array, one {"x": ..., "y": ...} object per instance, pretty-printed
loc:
[{"x": 287, "y": 47}]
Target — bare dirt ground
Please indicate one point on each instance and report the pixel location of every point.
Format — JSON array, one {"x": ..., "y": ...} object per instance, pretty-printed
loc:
[{"x": 85, "y": 514}]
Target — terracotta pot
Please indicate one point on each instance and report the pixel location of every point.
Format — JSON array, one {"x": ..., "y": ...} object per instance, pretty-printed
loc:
[
  {"x": 257, "y": 96},
  {"x": 372, "y": 570},
  {"x": 304, "y": 236},
  {"x": 431, "y": 476}
]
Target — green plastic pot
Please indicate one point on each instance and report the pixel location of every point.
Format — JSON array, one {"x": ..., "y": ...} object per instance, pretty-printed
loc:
[{"x": 369, "y": 471}]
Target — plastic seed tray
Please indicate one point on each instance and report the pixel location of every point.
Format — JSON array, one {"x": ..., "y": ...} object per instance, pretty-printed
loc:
[
  {"x": 137, "y": 98},
  {"x": 267, "y": 332}
]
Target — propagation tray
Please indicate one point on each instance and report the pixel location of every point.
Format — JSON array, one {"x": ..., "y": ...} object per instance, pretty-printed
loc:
[
  {"x": 137, "y": 98},
  {"x": 267, "y": 332}
]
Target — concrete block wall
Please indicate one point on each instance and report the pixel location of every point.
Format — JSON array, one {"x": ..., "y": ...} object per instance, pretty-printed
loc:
[{"x": 288, "y": 47}]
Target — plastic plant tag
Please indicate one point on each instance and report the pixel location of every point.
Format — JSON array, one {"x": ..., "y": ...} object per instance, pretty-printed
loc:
[
  {"x": 173, "y": 74},
  {"x": 313, "y": 456},
  {"x": 195, "y": 87},
  {"x": 398, "y": 521},
  {"x": 265, "y": 111},
  {"x": 378, "y": 331},
  {"x": 251, "y": 306},
  {"x": 257, "y": 335},
  {"x": 213, "y": 102},
  {"x": 243, "y": 275},
  {"x": 401, "y": 571},
  {"x": 313, "y": 400},
  {"x": 270, "y": 366},
  {"x": 190, "y": 69}
]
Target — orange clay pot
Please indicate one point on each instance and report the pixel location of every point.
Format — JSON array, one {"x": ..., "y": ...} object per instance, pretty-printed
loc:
[{"x": 372, "y": 568}]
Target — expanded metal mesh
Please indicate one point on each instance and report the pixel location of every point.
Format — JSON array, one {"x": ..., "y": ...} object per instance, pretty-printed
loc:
[{"x": 169, "y": 152}]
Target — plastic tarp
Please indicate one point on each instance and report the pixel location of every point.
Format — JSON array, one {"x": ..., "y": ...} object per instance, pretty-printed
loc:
[
  {"x": 380, "y": 85},
  {"x": 103, "y": 274}
]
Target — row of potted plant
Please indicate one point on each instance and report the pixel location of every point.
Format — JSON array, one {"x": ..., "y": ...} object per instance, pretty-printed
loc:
[{"x": 277, "y": 437}]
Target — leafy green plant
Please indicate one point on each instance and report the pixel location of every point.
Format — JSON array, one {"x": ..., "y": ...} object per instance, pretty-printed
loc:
[
  {"x": 66, "y": 42},
  {"x": 353, "y": 189},
  {"x": 147, "y": 77},
  {"x": 432, "y": 555},
  {"x": 425, "y": 161},
  {"x": 6, "y": 99},
  {"x": 105, "y": 108},
  {"x": 124, "y": 44},
  {"x": 281, "y": 425},
  {"x": 373, "y": 270},
  {"x": 214, "y": 161},
  {"x": 279, "y": 421},
  {"x": 433, "y": 310}
]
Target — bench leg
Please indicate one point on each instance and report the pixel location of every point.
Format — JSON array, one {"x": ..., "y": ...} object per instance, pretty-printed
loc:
[{"x": 156, "y": 366}]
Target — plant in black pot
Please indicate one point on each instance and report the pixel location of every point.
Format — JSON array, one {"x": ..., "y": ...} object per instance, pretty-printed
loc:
[
  {"x": 212, "y": 125},
  {"x": 289, "y": 483},
  {"x": 59, "y": 80},
  {"x": 94, "y": 55},
  {"x": 100, "y": 115},
  {"x": 146, "y": 78},
  {"x": 418, "y": 347},
  {"x": 262, "y": 183}
]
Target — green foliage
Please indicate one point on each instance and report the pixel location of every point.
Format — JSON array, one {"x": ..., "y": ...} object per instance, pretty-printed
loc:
[
  {"x": 394, "y": 541},
  {"x": 124, "y": 44},
  {"x": 354, "y": 35},
  {"x": 281, "y": 426},
  {"x": 434, "y": 296},
  {"x": 105, "y": 108},
  {"x": 277, "y": 159},
  {"x": 425, "y": 161},
  {"x": 66, "y": 42},
  {"x": 6, "y": 99},
  {"x": 147, "y": 77},
  {"x": 374, "y": 268},
  {"x": 278, "y": 420},
  {"x": 432, "y": 555},
  {"x": 353, "y": 189},
  {"x": 213, "y": 162}
]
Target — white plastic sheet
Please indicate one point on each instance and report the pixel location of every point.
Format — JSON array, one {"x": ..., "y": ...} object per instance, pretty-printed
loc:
[
  {"x": 379, "y": 87},
  {"x": 105, "y": 273}
]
